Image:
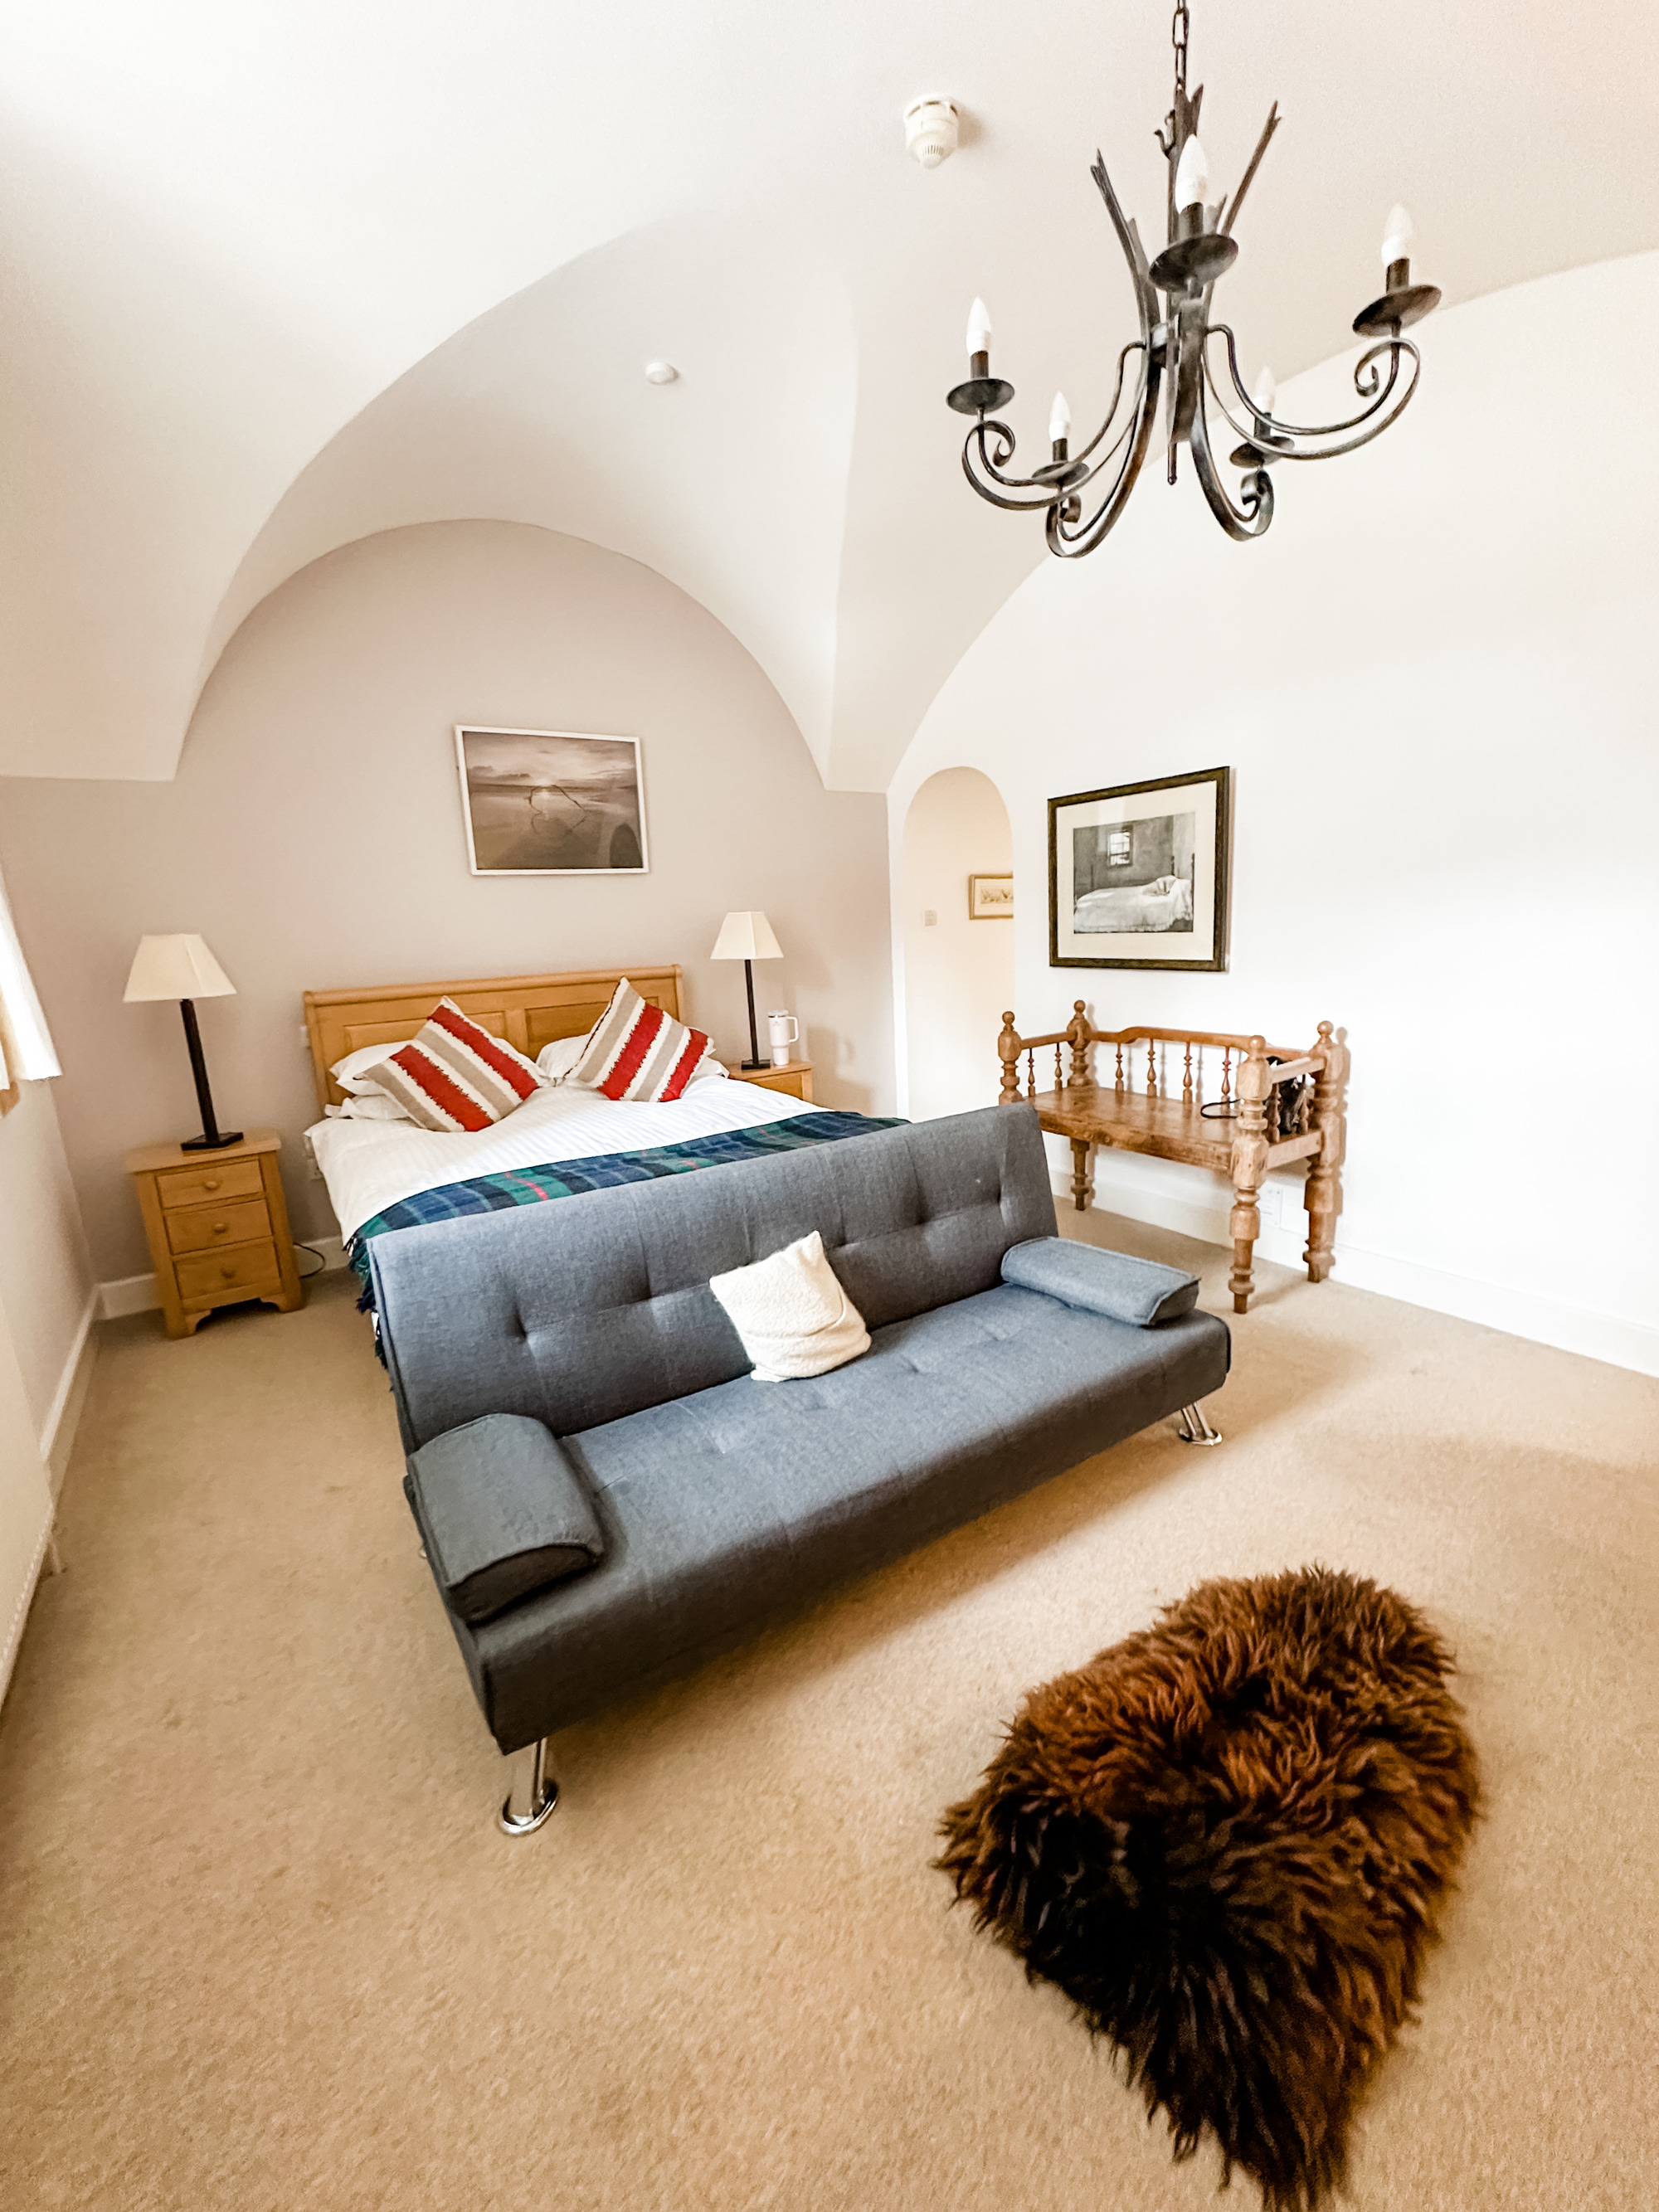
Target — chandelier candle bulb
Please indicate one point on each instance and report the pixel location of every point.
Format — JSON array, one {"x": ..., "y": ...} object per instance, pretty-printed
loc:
[
  {"x": 1399, "y": 236},
  {"x": 1192, "y": 187},
  {"x": 979, "y": 329},
  {"x": 1265, "y": 392},
  {"x": 1060, "y": 420}
]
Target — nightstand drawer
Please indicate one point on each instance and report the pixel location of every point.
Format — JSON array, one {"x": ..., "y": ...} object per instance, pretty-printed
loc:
[
  {"x": 201, "y": 1227},
  {"x": 209, "y": 1186},
  {"x": 250, "y": 1268}
]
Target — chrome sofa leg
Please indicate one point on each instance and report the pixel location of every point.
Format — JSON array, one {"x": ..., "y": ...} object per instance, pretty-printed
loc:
[
  {"x": 534, "y": 1793},
  {"x": 1194, "y": 1429}
]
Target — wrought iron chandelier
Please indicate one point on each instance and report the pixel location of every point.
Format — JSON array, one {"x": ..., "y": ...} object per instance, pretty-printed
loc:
[{"x": 1175, "y": 347}]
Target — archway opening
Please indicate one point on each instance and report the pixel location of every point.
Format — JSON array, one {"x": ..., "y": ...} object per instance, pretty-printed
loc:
[{"x": 958, "y": 967}]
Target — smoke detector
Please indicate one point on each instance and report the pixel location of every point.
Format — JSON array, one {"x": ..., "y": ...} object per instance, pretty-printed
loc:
[{"x": 930, "y": 131}]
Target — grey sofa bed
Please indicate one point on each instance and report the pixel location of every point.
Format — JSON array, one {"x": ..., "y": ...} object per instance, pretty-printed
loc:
[{"x": 605, "y": 1493}]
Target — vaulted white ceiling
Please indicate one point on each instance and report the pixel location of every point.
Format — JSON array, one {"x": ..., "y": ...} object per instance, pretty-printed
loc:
[{"x": 275, "y": 276}]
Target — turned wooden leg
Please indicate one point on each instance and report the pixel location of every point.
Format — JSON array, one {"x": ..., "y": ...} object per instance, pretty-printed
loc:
[
  {"x": 1080, "y": 1173},
  {"x": 1244, "y": 1225},
  {"x": 1250, "y": 1165},
  {"x": 1323, "y": 1196}
]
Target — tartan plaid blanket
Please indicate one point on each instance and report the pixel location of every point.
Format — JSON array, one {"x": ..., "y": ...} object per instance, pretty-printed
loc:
[{"x": 494, "y": 1193}]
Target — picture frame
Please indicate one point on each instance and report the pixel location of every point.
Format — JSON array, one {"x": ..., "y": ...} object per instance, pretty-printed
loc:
[
  {"x": 1139, "y": 874},
  {"x": 991, "y": 897},
  {"x": 551, "y": 802}
]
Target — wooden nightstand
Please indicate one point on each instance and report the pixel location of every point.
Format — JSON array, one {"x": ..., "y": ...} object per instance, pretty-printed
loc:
[
  {"x": 795, "y": 1077},
  {"x": 217, "y": 1224}
]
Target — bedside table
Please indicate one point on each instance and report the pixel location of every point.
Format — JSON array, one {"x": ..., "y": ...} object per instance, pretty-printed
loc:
[
  {"x": 217, "y": 1224},
  {"x": 795, "y": 1077}
]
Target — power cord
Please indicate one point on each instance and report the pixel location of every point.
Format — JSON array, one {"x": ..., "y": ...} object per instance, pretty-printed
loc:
[{"x": 321, "y": 1267}]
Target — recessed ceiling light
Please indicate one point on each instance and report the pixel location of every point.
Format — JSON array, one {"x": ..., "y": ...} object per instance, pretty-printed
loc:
[{"x": 660, "y": 372}]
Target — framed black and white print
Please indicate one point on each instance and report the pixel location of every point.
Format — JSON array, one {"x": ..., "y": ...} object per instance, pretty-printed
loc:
[
  {"x": 552, "y": 802},
  {"x": 1138, "y": 874}
]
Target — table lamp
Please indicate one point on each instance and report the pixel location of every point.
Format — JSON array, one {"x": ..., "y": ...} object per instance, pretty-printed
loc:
[
  {"x": 182, "y": 968},
  {"x": 748, "y": 937}
]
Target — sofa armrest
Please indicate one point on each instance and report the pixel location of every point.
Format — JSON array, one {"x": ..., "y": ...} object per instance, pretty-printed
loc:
[
  {"x": 1139, "y": 1291},
  {"x": 503, "y": 1513}
]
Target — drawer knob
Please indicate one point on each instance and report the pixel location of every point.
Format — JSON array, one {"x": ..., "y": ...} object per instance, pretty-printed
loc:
[
  {"x": 220, "y": 1227},
  {"x": 212, "y": 1183},
  {"x": 229, "y": 1273}
]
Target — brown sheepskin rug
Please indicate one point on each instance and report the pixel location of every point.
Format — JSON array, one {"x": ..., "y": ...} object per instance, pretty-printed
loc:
[{"x": 1227, "y": 1840}]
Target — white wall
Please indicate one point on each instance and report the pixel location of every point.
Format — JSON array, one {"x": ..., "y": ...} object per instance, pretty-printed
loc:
[
  {"x": 958, "y": 974},
  {"x": 313, "y": 835},
  {"x": 45, "y": 1271},
  {"x": 1434, "y": 683}
]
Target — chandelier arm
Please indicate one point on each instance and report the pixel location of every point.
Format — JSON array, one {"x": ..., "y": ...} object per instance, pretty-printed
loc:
[
  {"x": 1129, "y": 237},
  {"x": 1071, "y": 543},
  {"x": 977, "y": 437},
  {"x": 1135, "y": 345},
  {"x": 1274, "y": 119},
  {"x": 1253, "y": 515},
  {"x": 1047, "y": 486},
  {"x": 1367, "y": 381}
]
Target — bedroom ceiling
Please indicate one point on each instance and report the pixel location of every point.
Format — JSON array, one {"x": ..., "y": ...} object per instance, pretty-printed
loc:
[{"x": 277, "y": 276}]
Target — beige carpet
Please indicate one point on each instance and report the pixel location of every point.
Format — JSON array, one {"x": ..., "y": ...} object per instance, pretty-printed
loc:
[{"x": 262, "y": 1949}]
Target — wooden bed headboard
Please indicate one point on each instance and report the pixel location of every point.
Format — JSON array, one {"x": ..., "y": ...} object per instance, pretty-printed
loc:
[{"x": 528, "y": 1011}]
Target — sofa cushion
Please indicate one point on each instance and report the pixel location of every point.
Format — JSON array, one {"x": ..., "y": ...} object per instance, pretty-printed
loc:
[
  {"x": 734, "y": 1505},
  {"x": 1139, "y": 1291},
  {"x": 503, "y": 1512},
  {"x": 794, "y": 1316}
]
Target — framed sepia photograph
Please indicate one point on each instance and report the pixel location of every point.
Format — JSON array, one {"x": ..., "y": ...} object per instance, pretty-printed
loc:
[
  {"x": 552, "y": 802},
  {"x": 1138, "y": 874},
  {"x": 990, "y": 898}
]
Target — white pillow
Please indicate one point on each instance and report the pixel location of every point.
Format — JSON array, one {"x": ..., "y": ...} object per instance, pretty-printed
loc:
[
  {"x": 556, "y": 1060},
  {"x": 793, "y": 1315},
  {"x": 352, "y": 1073},
  {"x": 709, "y": 1065},
  {"x": 370, "y": 1106}
]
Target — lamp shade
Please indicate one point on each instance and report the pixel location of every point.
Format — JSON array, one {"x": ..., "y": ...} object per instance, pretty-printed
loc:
[
  {"x": 746, "y": 936},
  {"x": 176, "y": 968}
]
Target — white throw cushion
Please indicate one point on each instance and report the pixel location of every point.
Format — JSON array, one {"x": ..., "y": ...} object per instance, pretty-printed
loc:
[
  {"x": 794, "y": 1316},
  {"x": 556, "y": 1060}
]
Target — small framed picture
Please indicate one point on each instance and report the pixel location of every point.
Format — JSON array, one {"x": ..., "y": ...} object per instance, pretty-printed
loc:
[
  {"x": 552, "y": 802},
  {"x": 990, "y": 898},
  {"x": 1138, "y": 874}
]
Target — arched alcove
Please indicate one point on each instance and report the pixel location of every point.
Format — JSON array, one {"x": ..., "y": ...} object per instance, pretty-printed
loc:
[{"x": 958, "y": 972}]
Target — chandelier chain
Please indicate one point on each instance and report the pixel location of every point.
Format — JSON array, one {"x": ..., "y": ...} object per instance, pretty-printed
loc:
[{"x": 1179, "y": 25}]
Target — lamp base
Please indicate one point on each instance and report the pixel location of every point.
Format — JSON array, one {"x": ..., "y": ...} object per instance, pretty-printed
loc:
[
  {"x": 752, "y": 1067},
  {"x": 210, "y": 1144}
]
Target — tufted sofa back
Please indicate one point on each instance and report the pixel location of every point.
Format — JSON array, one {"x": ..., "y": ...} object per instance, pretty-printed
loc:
[{"x": 587, "y": 1309}]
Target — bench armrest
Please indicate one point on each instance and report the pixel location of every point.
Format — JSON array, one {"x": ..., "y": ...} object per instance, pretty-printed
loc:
[{"x": 1139, "y": 1291}]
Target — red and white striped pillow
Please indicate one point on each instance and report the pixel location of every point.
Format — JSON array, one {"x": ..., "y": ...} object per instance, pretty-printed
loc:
[
  {"x": 455, "y": 1075},
  {"x": 636, "y": 1051}
]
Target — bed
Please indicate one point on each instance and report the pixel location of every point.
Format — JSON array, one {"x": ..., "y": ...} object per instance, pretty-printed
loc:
[
  {"x": 383, "y": 1177},
  {"x": 1165, "y": 903}
]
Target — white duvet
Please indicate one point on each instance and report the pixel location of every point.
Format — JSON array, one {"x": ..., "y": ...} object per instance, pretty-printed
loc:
[{"x": 369, "y": 1165}]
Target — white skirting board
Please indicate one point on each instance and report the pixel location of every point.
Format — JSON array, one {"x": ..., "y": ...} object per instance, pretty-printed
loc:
[
  {"x": 131, "y": 1294},
  {"x": 63, "y": 1414},
  {"x": 1621, "y": 1343},
  {"x": 13, "y": 1632}
]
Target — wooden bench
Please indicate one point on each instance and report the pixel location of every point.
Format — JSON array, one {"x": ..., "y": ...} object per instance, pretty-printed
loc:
[{"x": 1255, "y": 1123}]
